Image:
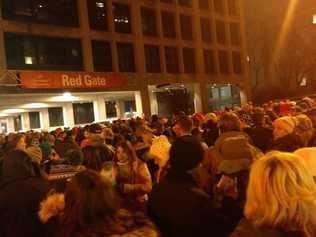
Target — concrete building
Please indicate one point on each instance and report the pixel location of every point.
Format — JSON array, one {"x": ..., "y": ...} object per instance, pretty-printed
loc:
[{"x": 139, "y": 57}]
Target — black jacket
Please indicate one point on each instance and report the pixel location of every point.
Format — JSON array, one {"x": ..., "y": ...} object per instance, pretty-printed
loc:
[
  {"x": 20, "y": 195},
  {"x": 260, "y": 136},
  {"x": 181, "y": 209}
]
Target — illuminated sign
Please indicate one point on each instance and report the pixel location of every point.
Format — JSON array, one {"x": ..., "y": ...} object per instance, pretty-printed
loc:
[{"x": 70, "y": 80}]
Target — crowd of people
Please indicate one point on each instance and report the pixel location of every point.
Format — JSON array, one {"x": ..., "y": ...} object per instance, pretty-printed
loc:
[{"x": 236, "y": 172}]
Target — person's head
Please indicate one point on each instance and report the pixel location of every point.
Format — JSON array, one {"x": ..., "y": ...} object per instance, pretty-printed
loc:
[
  {"x": 183, "y": 126},
  {"x": 304, "y": 128},
  {"x": 89, "y": 203},
  {"x": 125, "y": 152},
  {"x": 145, "y": 133},
  {"x": 18, "y": 142},
  {"x": 154, "y": 118},
  {"x": 289, "y": 193},
  {"x": 283, "y": 126},
  {"x": 258, "y": 117},
  {"x": 95, "y": 131},
  {"x": 94, "y": 157},
  {"x": 186, "y": 153},
  {"x": 229, "y": 122}
]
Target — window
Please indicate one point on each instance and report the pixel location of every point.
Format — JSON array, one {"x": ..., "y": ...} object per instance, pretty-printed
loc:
[
  {"x": 129, "y": 106},
  {"x": 206, "y": 30},
  {"x": 232, "y": 7},
  {"x": 168, "y": 24},
  {"x": 126, "y": 57},
  {"x": 110, "y": 108},
  {"x": 149, "y": 22},
  {"x": 186, "y": 27},
  {"x": 219, "y": 6},
  {"x": 221, "y": 32},
  {"x": 152, "y": 56},
  {"x": 189, "y": 60},
  {"x": 55, "y": 116},
  {"x": 172, "y": 59},
  {"x": 35, "y": 121},
  {"x": 204, "y": 4},
  {"x": 42, "y": 53},
  {"x": 83, "y": 113},
  {"x": 54, "y": 12},
  {"x": 102, "y": 56},
  {"x": 223, "y": 62},
  {"x": 225, "y": 92},
  {"x": 234, "y": 34},
  {"x": 186, "y": 3},
  {"x": 237, "y": 66},
  {"x": 209, "y": 61},
  {"x": 122, "y": 18},
  {"x": 97, "y": 14},
  {"x": 17, "y": 120}
]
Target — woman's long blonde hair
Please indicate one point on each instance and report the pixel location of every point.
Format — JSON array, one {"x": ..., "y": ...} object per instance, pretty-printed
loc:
[{"x": 282, "y": 193}]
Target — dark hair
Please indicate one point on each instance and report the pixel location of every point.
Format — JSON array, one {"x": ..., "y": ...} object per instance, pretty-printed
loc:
[
  {"x": 229, "y": 122},
  {"x": 89, "y": 203},
  {"x": 186, "y": 153},
  {"x": 15, "y": 140},
  {"x": 128, "y": 149},
  {"x": 258, "y": 117},
  {"x": 94, "y": 157},
  {"x": 185, "y": 123}
]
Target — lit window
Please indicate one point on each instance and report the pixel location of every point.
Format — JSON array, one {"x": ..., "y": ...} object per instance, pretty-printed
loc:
[
  {"x": 314, "y": 19},
  {"x": 28, "y": 60}
]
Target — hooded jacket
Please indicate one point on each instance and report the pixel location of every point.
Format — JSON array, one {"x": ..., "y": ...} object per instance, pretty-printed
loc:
[
  {"x": 124, "y": 224},
  {"x": 21, "y": 191}
]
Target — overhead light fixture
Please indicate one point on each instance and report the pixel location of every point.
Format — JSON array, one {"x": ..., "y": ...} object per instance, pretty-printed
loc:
[
  {"x": 100, "y": 4},
  {"x": 35, "y": 106},
  {"x": 67, "y": 94},
  {"x": 314, "y": 19},
  {"x": 28, "y": 60}
]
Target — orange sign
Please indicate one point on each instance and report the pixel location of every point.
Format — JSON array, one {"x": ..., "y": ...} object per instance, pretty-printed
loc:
[{"x": 70, "y": 80}]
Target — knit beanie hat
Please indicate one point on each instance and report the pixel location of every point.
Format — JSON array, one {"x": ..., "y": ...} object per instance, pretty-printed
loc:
[
  {"x": 35, "y": 153},
  {"x": 186, "y": 153}
]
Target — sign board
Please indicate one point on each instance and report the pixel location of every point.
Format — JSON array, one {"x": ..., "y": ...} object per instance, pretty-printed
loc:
[{"x": 70, "y": 80}]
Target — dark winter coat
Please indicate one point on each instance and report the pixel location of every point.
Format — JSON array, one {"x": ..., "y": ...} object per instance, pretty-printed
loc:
[
  {"x": 20, "y": 194},
  {"x": 181, "y": 209},
  {"x": 288, "y": 143},
  {"x": 247, "y": 229},
  {"x": 260, "y": 136}
]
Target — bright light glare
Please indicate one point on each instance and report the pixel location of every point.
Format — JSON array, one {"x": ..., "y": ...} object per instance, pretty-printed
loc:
[
  {"x": 13, "y": 111},
  {"x": 67, "y": 95},
  {"x": 3, "y": 115},
  {"x": 314, "y": 19},
  {"x": 35, "y": 106}
]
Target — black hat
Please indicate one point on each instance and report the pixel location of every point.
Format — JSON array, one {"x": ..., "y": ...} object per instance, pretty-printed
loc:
[
  {"x": 186, "y": 153},
  {"x": 95, "y": 128}
]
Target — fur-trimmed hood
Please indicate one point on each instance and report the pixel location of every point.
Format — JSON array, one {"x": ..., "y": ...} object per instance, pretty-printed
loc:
[{"x": 125, "y": 224}]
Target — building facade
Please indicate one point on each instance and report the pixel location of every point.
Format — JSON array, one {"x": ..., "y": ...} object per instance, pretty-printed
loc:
[{"x": 168, "y": 55}]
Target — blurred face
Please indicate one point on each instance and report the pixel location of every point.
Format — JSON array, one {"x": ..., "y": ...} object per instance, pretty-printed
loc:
[
  {"x": 21, "y": 145},
  {"x": 278, "y": 130},
  {"x": 121, "y": 155},
  {"x": 177, "y": 130}
]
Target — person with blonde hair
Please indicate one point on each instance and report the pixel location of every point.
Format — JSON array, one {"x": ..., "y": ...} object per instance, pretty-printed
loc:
[{"x": 281, "y": 198}]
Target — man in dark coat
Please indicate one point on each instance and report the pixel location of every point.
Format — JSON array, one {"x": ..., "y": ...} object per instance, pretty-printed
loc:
[
  {"x": 177, "y": 205},
  {"x": 21, "y": 192}
]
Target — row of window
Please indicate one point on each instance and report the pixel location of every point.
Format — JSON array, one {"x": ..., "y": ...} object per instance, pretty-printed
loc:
[
  {"x": 83, "y": 114},
  {"x": 34, "y": 52},
  {"x": 219, "y": 5},
  {"x": 63, "y": 12}
]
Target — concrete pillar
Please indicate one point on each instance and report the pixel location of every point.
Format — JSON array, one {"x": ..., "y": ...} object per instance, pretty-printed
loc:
[
  {"x": 10, "y": 124},
  {"x": 44, "y": 119},
  {"x": 153, "y": 101},
  {"x": 101, "y": 108},
  {"x": 68, "y": 114},
  {"x": 197, "y": 98},
  {"x": 96, "y": 111},
  {"x": 120, "y": 109},
  {"x": 243, "y": 97},
  {"x": 138, "y": 102},
  {"x": 25, "y": 121},
  {"x": 85, "y": 35}
]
